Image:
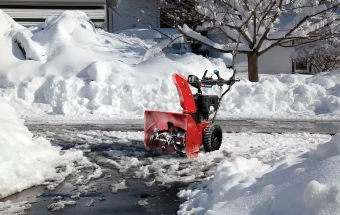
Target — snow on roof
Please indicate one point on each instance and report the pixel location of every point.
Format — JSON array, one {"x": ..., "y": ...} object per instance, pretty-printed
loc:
[{"x": 221, "y": 47}]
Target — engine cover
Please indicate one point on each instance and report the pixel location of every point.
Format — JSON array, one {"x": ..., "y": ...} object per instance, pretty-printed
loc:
[{"x": 205, "y": 102}]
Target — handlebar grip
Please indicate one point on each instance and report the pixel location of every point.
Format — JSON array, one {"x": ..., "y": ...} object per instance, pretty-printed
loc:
[
  {"x": 215, "y": 82},
  {"x": 219, "y": 82},
  {"x": 209, "y": 82},
  {"x": 224, "y": 82}
]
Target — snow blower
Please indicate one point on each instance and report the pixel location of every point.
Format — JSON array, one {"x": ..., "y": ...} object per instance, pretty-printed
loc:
[{"x": 184, "y": 133}]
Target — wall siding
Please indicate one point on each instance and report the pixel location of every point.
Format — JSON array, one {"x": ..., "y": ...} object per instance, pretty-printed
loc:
[
  {"x": 122, "y": 19},
  {"x": 275, "y": 61},
  {"x": 28, "y": 13}
]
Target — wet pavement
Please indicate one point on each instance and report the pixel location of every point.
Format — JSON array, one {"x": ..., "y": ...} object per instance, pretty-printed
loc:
[
  {"x": 230, "y": 126},
  {"x": 138, "y": 198},
  {"x": 281, "y": 126},
  {"x": 97, "y": 197}
]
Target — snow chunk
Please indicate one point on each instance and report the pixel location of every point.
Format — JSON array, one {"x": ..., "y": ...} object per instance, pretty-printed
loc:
[
  {"x": 119, "y": 186},
  {"x": 318, "y": 195},
  {"x": 143, "y": 203},
  {"x": 89, "y": 203},
  {"x": 60, "y": 205}
]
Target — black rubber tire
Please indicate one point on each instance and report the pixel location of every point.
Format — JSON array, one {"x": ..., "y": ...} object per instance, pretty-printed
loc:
[{"x": 212, "y": 138}]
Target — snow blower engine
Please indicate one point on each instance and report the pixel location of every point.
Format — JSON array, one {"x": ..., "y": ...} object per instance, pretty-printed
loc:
[{"x": 184, "y": 133}]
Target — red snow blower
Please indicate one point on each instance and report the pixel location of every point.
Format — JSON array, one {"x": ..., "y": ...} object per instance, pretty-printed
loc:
[{"x": 184, "y": 133}]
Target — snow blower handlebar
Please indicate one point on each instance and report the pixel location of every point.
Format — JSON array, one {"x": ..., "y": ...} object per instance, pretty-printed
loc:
[
  {"x": 232, "y": 80},
  {"x": 219, "y": 81},
  {"x": 208, "y": 82}
]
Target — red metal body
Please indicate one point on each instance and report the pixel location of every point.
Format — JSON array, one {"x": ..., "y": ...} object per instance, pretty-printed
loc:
[
  {"x": 184, "y": 92},
  {"x": 160, "y": 119}
]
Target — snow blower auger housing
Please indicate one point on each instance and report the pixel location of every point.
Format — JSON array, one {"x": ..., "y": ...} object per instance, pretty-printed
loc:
[{"x": 184, "y": 133}]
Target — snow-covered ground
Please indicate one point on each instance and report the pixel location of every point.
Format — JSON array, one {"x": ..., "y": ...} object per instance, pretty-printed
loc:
[
  {"x": 298, "y": 184},
  {"x": 72, "y": 71},
  {"x": 251, "y": 173},
  {"x": 287, "y": 173},
  {"x": 26, "y": 161},
  {"x": 247, "y": 169},
  {"x": 127, "y": 153},
  {"x": 66, "y": 69}
]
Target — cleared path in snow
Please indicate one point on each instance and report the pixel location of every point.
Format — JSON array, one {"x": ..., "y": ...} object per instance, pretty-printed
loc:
[
  {"x": 119, "y": 150},
  {"x": 230, "y": 126}
]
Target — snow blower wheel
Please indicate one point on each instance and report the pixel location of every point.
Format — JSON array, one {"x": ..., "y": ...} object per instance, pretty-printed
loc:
[{"x": 212, "y": 138}]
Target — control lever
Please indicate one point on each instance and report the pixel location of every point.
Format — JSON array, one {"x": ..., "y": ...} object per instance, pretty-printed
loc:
[
  {"x": 234, "y": 73},
  {"x": 205, "y": 73},
  {"x": 217, "y": 73}
]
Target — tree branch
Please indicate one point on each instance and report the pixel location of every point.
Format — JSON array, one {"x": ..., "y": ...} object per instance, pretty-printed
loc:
[{"x": 264, "y": 36}]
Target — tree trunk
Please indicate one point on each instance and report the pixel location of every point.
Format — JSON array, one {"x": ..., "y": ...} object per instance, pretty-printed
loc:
[{"x": 253, "y": 68}]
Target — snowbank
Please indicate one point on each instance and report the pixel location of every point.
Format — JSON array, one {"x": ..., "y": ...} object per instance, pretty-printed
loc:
[
  {"x": 286, "y": 96},
  {"x": 304, "y": 184},
  {"x": 67, "y": 68},
  {"x": 26, "y": 161},
  {"x": 72, "y": 69}
]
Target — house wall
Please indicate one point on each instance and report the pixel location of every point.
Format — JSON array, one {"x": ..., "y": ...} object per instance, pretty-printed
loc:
[
  {"x": 275, "y": 61},
  {"x": 32, "y": 12},
  {"x": 53, "y": 2},
  {"x": 121, "y": 17}
]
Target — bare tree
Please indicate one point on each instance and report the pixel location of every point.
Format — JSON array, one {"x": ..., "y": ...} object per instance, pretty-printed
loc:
[
  {"x": 170, "y": 12},
  {"x": 180, "y": 12},
  {"x": 260, "y": 24},
  {"x": 264, "y": 24},
  {"x": 322, "y": 56}
]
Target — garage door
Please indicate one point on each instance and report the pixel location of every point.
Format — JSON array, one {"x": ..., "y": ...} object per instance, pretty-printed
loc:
[{"x": 29, "y": 13}]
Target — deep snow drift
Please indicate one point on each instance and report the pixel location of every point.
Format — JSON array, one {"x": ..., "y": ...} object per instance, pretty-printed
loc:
[
  {"x": 71, "y": 70},
  {"x": 26, "y": 161},
  {"x": 298, "y": 184}
]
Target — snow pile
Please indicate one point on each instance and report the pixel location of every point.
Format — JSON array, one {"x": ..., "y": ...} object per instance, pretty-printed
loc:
[
  {"x": 70, "y": 68},
  {"x": 286, "y": 96},
  {"x": 26, "y": 161},
  {"x": 304, "y": 184},
  {"x": 66, "y": 68}
]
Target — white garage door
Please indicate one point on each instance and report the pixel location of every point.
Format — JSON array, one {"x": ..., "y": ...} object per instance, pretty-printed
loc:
[{"x": 29, "y": 13}]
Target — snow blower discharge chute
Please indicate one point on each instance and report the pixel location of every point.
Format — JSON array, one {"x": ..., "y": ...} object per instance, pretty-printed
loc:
[{"x": 184, "y": 133}]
